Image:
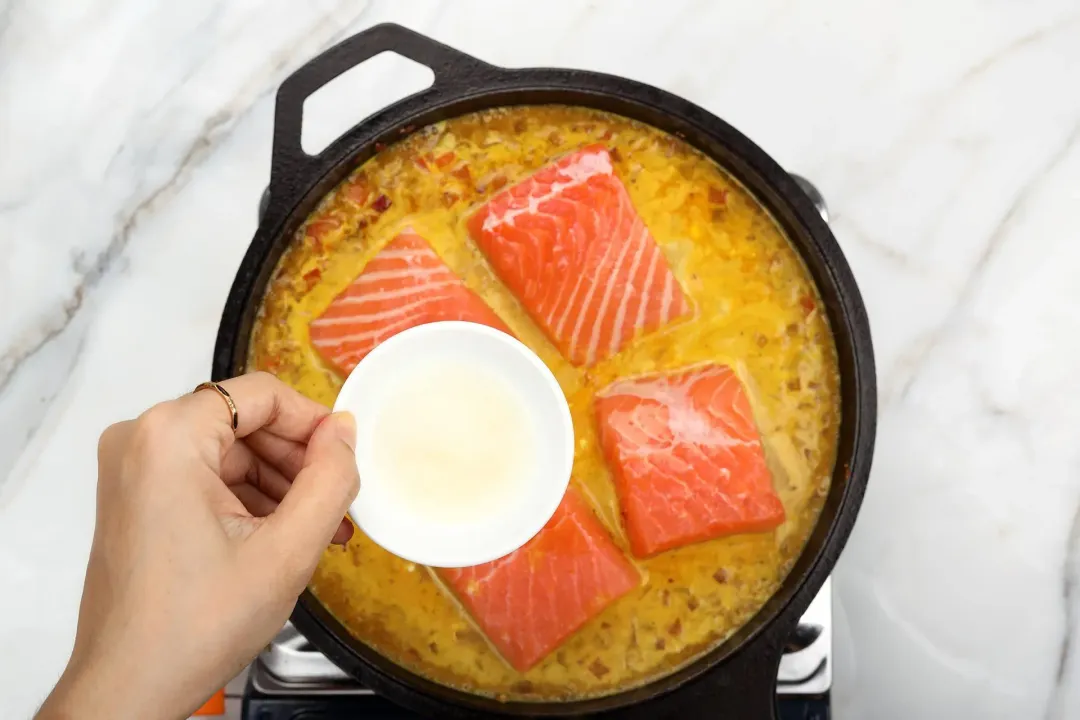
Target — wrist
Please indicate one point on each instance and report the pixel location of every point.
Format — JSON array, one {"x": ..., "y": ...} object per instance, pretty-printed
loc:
[
  {"x": 63, "y": 702},
  {"x": 89, "y": 692}
]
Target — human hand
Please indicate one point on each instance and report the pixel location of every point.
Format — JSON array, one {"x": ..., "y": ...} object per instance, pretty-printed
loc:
[{"x": 204, "y": 540}]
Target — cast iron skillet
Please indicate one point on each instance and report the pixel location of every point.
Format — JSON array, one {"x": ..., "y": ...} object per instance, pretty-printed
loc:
[{"x": 739, "y": 677}]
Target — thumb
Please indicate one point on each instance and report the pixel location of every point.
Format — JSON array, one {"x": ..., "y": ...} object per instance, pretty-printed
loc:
[{"x": 307, "y": 517}]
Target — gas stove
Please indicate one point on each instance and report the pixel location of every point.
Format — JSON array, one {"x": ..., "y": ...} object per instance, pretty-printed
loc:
[{"x": 291, "y": 680}]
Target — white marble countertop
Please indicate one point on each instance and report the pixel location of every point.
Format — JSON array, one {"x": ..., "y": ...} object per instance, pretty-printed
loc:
[{"x": 135, "y": 140}]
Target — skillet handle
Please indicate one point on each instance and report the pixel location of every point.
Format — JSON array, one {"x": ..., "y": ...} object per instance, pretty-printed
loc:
[{"x": 290, "y": 167}]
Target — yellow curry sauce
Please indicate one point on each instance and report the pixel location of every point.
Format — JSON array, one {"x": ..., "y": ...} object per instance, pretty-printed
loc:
[{"x": 756, "y": 309}]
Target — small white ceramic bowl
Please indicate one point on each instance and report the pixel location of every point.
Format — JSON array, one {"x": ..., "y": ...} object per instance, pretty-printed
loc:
[{"x": 381, "y": 515}]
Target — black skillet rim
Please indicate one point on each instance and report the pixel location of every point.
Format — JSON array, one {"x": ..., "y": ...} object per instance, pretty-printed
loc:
[{"x": 740, "y": 673}]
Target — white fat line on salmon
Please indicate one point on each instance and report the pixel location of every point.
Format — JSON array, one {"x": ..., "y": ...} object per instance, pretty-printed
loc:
[
  {"x": 628, "y": 291},
  {"x": 406, "y": 272},
  {"x": 581, "y": 248},
  {"x": 548, "y": 304},
  {"x": 669, "y": 295},
  {"x": 590, "y": 553},
  {"x": 613, "y": 280},
  {"x": 622, "y": 419},
  {"x": 372, "y": 318},
  {"x": 379, "y": 334},
  {"x": 652, "y": 498},
  {"x": 381, "y": 295},
  {"x": 645, "y": 298},
  {"x": 713, "y": 490},
  {"x": 689, "y": 494},
  {"x": 583, "y": 309},
  {"x": 579, "y": 172},
  {"x": 686, "y": 424}
]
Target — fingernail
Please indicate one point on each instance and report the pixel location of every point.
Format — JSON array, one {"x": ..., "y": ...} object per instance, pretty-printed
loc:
[
  {"x": 345, "y": 528},
  {"x": 345, "y": 427}
]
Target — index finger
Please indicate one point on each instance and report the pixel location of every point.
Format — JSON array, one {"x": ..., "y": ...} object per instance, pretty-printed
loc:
[{"x": 262, "y": 403}]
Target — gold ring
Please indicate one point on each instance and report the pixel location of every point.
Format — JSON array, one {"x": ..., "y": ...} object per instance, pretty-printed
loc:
[{"x": 224, "y": 396}]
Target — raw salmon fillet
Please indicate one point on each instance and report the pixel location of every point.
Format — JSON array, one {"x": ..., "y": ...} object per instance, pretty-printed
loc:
[
  {"x": 687, "y": 458},
  {"x": 406, "y": 284},
  {"x": 530, "y": 601},
  {"x": 569, "y": 243}
]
